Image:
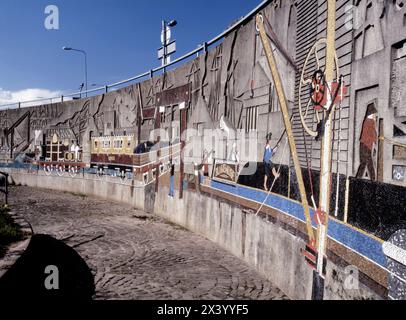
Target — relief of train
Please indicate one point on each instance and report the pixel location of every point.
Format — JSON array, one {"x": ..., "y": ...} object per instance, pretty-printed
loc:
[
  {"x": 114, "y": 156},
  {"x": 60, "y": 156},
  {"x": 122, "y": 155}
]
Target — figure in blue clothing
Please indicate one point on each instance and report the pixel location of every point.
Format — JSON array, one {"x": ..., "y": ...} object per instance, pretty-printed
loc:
[
  {"x": 172, "y": 182},
  {"x": 268, "y": 164}
]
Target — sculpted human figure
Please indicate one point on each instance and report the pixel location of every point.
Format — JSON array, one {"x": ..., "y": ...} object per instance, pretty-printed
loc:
[{"x": 368, "y": 141}]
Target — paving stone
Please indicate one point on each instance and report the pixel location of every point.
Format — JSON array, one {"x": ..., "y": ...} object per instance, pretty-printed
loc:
[{"x": 134, "y": 255}]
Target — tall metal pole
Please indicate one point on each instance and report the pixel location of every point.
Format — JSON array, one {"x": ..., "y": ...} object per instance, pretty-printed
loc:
[
  {"x": 85, "y": 71},
  {"x": 85, "y": 54},
  {"x": 164, "y": 43},
  {"x": 325, "y": 169}
]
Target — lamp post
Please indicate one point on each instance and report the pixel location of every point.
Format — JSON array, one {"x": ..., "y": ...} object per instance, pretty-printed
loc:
[
  {"x": 85, "y": 54},
  {"x": 164, "y": 53}
]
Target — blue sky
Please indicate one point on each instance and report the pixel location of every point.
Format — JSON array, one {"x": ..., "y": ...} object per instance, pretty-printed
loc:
[{"x": 121, "y": 38}]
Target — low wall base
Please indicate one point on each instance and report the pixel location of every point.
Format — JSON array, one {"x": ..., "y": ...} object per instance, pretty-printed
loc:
[
  {"x": 113, "y": 190},
  {"x": 272, "y": 248}
]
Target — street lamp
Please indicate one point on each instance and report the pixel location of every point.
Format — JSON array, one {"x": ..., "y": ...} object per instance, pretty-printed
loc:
[
  {"x": 168, "y": 47},
  {"x": 81, "y": 89},
  {"x": 85, "y": 54},
  {"x": 172, "y": 23}
]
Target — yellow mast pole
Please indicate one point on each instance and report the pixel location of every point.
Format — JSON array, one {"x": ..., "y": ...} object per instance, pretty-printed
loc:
[
  {"x": 326, "y": 144},
  {"x": 285, "y": 111}
]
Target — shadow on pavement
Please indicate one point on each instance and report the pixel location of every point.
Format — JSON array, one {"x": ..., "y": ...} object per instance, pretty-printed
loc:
[{"x": 29, "y": 277}]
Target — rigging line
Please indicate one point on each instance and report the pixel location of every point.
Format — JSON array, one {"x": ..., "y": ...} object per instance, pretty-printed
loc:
[
  {"x": 283, "y": 133},
  {"x": 338, "y": 157},
  {"x": 270, "y": 106},
  {"x": 393, "y": 142},
  {"x": 274, "y": 39},
  {"x": 274, "y": 180},
  {"x": 327, "y": 116},
  {"x": 308, "y": 164},
  {"x": 339, "y": 88},
  {"x": 253, "y": 64}
]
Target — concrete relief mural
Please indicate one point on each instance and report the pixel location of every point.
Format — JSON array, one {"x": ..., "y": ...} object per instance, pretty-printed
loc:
[
  {"x": 125, "y": 107},
  {"x": 98, "y": 116},
  {"x": 398, "y": 80},
  {"x": 79, "y": 121},
  {"x": 4, "y": 121},
  {"x": 216, "y": 69},
  {"x": 360, "y": 109},
  {"x": 368, "y": 22},
  {"x": 156, "y": 85},
  {"x": 194, "y": 76},
  {"x": 43, "y": 116},
  {"x": 230, "y": 111}
]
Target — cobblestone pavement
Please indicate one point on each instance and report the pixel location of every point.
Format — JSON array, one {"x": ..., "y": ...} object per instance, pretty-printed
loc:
[{"x": 134, "y": 255}]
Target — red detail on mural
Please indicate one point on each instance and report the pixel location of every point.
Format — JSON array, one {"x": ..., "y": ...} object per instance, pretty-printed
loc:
[
  {"x": 339, "y": 96},
  {"x": 320, "y": 217},
  {"x": 310, "y": 254},
  {"x": 318, "y": 90}
]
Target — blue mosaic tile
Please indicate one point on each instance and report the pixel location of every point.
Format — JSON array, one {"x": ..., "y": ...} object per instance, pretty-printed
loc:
[{"x": 357, "y": 241}]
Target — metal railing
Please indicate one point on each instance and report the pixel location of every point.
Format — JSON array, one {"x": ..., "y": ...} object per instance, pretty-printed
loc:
[
  {"x": 4, "y": 185},
  {"x": 204, "y": 47}
]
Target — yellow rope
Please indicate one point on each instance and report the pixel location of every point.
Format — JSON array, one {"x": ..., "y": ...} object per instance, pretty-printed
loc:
[
  {"x": 288, "y": 126},
  {"x": 395, "y": 143}
]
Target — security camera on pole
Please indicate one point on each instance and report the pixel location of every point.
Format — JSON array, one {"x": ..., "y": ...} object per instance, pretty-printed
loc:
[{"x": 168, "y": 46}]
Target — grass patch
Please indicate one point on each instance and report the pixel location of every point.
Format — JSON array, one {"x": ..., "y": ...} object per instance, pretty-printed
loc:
[{"x": 9, "y": 231}]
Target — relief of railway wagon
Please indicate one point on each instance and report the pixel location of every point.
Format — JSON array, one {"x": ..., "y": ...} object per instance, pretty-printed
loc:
[
  {"x": 60, "y": 149},
  {"x": 57, "y": 151},
  {"x": 110, "y": 157}
]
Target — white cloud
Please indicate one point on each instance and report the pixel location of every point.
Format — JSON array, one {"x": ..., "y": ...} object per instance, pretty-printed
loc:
[{"x": 13, "y": 97}]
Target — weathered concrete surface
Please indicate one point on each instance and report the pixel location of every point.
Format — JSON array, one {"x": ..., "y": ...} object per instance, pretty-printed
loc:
[
  {"x": 134, "y": 255},
  {"x": 274, "y": 252},
  {"x": 107, "y": 188}
]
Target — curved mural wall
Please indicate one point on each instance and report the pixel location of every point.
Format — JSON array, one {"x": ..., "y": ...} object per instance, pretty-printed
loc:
[{"x": 231, "y": 88}]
